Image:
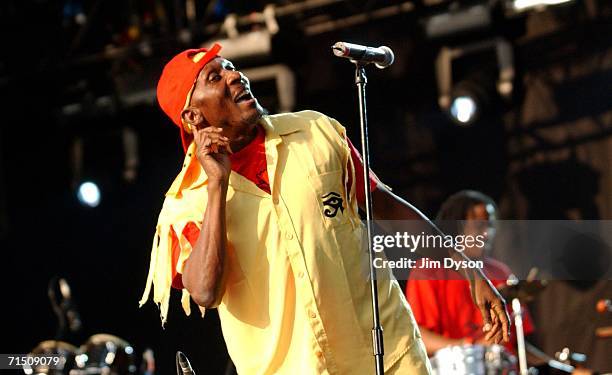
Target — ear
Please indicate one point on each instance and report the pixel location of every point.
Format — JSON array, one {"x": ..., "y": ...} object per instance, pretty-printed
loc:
[{"x": 193, "y": 116}]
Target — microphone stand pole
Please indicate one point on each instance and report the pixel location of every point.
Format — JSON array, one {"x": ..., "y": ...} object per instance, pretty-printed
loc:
[
  {"x": 520, "y": 336},
  {"x": 377, "y": 331},
  {"x": 59, "y": 312}
]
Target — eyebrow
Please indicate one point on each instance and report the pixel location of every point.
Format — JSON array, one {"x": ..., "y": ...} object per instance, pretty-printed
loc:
[{"x": 206, "y": 70}]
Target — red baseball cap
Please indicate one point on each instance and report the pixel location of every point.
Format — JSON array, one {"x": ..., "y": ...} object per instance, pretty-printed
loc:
[{"x": 177, "y": 80}]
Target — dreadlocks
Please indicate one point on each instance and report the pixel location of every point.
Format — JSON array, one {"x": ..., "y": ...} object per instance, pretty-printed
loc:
[{"x": 455, "y": 209}]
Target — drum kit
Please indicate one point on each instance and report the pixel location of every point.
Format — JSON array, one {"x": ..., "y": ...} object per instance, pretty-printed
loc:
[
  {"x": 496, "y": 359},
  {"x": 101, "y": 354},
  {"x": 474, "y": 360},
  {"x": 105, "y": 354}
]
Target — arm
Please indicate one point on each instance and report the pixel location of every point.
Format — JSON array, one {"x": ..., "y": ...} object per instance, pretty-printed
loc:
[
  {"x": 491, "y": 304},
  {"x": 204, "y": 269},
  {"x": 388, "y": 206}
]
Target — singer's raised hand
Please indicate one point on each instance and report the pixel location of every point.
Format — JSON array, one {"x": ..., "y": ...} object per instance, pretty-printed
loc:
[{"x": 212, "y": 151}]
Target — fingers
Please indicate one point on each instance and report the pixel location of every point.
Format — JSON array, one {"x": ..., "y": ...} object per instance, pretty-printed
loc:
[
  {"x": 492, "y": 324},
  {"x": 209, "y": 133},
  {"x": 499, "y": 331},
  {"x": 504, "y": 318},
  {"x": 214, "y": 146},
  {"x": 210, "y": 140},
  {"x": 495, "y": 335},
  {"x": 486, "y": 319}
]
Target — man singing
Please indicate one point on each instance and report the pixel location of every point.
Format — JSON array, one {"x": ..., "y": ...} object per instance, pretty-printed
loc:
[{"x": 262, "y": 223}]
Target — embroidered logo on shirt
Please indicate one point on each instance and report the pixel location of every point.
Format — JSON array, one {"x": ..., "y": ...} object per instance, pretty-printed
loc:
[{"x": 332, "y": 203}]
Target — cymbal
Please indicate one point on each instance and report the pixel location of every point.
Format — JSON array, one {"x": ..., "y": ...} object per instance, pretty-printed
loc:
[
  {"x": 524, "y": 290},
  {"x": 53, "y": 345}
]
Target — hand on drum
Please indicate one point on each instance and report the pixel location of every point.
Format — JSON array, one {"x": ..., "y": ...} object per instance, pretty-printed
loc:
[{"x": 496, "y": 321}]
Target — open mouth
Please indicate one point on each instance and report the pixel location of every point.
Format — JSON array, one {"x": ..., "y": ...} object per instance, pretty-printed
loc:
[{"x": 243, "y": 96}]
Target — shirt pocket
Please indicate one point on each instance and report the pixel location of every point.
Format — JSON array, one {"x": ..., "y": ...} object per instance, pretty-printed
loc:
[{"x": 330, "y": 195}]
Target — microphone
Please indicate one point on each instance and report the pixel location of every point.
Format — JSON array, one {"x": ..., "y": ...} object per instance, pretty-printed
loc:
[
  {"x": 382, "y": 56},
  {"x": 183, "y": 362},
  {"x": 72, "y": 315},
  {"x": 604, "y": 306}
]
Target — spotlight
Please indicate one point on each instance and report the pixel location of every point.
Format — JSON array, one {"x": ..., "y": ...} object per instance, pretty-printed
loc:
[
  {"x": 523, "y": 5},
  {"x": 483, "y": 82},
  {"x": 464, "y": 109},
  {"x": 88, "y": 194},
  {"x": 470, "y": 99}
]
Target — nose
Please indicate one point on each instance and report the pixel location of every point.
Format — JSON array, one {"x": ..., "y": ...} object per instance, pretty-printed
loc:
[{"x": 236, "y": 77}]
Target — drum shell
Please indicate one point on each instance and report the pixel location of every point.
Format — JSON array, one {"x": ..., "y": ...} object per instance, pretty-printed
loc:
[
  {"x": 66, "y": 351},
  {"x": 105, "y": 354},
  {"x": 473, "y": 360}
]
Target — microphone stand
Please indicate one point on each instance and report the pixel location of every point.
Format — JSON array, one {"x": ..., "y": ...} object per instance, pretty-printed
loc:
[
  {"x": 520, "y": 336},
  {"x": 59, "y": 312},
  {"x": 377, "y": 330}
]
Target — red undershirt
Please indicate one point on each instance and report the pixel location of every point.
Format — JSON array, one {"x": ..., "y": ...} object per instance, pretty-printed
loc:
[{"x": 441, "y": 301}]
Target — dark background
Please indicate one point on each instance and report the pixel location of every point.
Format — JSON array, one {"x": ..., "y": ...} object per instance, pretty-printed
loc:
[{"x": 539, "y": 160}]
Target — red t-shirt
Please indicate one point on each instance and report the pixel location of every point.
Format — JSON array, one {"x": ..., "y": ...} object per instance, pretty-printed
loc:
[
  {"x": 441, "y": 301},
  {"x": 251, "y": 163}
]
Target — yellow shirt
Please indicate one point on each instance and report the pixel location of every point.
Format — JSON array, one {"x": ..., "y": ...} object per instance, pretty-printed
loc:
[{"x": 296, "y": 297}]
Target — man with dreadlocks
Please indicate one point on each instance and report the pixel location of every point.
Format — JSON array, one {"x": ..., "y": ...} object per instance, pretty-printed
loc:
[{"x": 437, "y": 295}]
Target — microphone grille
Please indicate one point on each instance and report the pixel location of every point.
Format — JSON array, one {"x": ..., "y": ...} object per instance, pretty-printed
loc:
[
  {"x": 340, "y": 49},
  {"x": 389, "y": 57}
]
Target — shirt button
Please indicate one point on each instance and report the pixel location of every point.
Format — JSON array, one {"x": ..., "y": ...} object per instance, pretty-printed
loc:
[
  {"x": 319, "y": 354},
  {"x": 289, "y": 236},
  {"x": 275, "y": 200},
  {"x": 300, "y": 274},
  {"x": 313, "y": 315}
]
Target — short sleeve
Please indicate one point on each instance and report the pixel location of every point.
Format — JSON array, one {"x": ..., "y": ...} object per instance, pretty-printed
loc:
[
  {"x": 190, "y": 234},
  {"x": 358, "y": 164}
]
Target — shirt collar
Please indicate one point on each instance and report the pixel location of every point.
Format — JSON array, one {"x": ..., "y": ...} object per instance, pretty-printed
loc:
[
  {"x": 193, "y": 176},
  {"x": 275, "y": 127}
]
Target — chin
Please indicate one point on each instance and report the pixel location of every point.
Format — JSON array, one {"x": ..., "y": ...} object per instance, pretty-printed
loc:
[{"x": 254, "y": 114}]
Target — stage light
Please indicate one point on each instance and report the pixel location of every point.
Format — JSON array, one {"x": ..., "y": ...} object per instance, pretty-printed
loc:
[
  {"x": 471, "y": 99},
  {"x": 458, "y": 21},
  {"x": 464, "y": 109},
  {"x": 88, "y": 194},
  {"x": 484, "y": 84},
  {"x": 251, "y": 45},
  {"x": 521, "y": 5}
]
